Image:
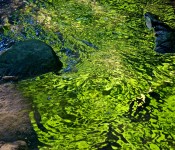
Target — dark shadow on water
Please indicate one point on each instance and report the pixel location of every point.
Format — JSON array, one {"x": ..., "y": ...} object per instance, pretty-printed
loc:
[{"x": 144, "y": 109}]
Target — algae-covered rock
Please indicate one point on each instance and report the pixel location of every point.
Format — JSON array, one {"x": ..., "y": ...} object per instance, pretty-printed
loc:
[
  {"x": 28, "y": 59},
  {"x": 165, "y": 35}
]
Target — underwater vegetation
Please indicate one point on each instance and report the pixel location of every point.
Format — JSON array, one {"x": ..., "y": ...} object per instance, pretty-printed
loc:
[{"x": 114, "y": 91}]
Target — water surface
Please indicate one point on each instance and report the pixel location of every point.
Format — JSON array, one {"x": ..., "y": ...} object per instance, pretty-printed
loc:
[{"x": 114, "y": 91}]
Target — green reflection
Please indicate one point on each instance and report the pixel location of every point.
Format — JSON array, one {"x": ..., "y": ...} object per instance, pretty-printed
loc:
[{"x": 122, "y": 95}]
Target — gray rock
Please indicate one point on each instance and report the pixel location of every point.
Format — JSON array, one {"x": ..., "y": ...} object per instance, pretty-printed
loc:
[{"x": 28, "y": 59}]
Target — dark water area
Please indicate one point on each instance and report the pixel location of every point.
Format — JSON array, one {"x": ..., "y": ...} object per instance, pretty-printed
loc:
[{"x": 116, "y": 88}]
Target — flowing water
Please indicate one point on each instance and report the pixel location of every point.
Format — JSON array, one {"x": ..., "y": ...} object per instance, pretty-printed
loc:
[{"x": 114, "y": 91}]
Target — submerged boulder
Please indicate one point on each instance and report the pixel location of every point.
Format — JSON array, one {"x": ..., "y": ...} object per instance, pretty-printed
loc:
[
  {"x": 27, "y": 59},
  {"x": 165, "y": 35}
]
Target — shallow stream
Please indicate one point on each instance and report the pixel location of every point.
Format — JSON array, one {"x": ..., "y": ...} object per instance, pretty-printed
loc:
[{"x": 114, "y": 91}]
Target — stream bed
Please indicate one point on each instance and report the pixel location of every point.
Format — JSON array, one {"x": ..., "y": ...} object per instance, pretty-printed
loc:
[{"x": 114, "y": 91}]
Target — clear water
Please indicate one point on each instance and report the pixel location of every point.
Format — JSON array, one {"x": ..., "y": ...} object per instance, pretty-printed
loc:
[{"x": 114, "y": 91}]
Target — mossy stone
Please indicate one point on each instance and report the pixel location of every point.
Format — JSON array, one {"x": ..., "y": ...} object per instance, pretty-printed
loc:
[{"x": 28, "y": 59}]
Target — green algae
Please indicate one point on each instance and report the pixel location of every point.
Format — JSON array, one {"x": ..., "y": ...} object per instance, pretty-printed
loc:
[{"x": 110, "y": 102}]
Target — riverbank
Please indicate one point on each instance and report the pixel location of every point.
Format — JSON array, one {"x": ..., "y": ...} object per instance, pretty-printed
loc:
[{"x": 15, "y": 122}]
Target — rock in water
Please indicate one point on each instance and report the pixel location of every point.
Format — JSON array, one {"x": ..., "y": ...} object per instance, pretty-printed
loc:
[
  {"x": 29, "y": 58},
  {"x": 165, "y": 35}
]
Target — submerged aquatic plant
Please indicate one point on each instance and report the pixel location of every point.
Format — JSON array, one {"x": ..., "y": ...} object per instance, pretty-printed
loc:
[{"x": 121, "y": 96}]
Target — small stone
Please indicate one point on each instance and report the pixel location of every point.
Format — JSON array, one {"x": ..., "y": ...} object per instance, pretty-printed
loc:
[
  {"x": 8, "y": 78},
  {"x": 17, "y": 145}
]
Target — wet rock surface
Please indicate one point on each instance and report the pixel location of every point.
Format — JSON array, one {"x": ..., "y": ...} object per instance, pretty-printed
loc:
[
  {"x": 165, "y": 35},
  {"x": 15, "y": 122},
  {"x": 5, "y": 43},
  {"x": 27, "y": 59}
]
